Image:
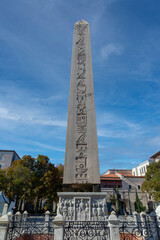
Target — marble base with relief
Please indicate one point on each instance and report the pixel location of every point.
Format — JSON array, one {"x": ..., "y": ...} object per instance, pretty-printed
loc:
[{"x": 82, "y": 206}]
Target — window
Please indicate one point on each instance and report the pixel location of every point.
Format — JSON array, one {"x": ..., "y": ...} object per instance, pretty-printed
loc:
[
  {"x": 1, "y": 157},
  {"x": 139, "y": 187},
  {"x": 144, "y": 169},
  {"x": 129, "y": 186},
  {"x": 150, "y": 197},
  {"x": 0, "y": 166}
]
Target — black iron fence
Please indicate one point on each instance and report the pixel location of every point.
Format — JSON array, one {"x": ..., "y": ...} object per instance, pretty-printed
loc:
[
  {"x": 139, "y": 228},
  {"x": 27, "y": 228},
  {"x": 135, "y": 227}
]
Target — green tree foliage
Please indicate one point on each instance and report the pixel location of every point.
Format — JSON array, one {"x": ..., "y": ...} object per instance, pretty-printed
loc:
[
  {"x": 31, "y": 180},
  {"x": 60, "y": 169},
  {"x": 14, "y": 181},
  {"x": 152, "y": 181},
  {"x": 117, "y": 201},
  {"x": 138, "y": 204},
  {"x": 113, "y": 199}
]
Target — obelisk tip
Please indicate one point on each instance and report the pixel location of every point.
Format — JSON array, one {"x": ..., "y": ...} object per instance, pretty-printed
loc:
[{"x": 81, "y": 22}]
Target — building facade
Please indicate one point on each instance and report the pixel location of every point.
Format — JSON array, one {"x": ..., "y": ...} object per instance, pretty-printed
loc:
[
  {"x": 156, "y": 157},
  {"x": 141, "y": 169},
  {"x": 7, "y": 157},
  {"x": 122, "y": 186}
]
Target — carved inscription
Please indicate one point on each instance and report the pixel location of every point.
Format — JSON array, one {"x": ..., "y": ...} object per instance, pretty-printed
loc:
[{"x": 81, "y": 112}]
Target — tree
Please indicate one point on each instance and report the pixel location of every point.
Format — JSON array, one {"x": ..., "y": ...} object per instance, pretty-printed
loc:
[
  {"x": 14, "y": 182},
  {"x": 113, "y": 200},
  {"x": 60, "y": 168},
  {"x": 117, "y": 200},
  {"x": 138, "y": 204},
  {"x": 152, "y": 181},
  {"x": 31, "y": 180}
]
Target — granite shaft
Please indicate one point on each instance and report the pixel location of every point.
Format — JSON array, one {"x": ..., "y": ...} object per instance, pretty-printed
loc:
[{"x": 81, "y": 156}]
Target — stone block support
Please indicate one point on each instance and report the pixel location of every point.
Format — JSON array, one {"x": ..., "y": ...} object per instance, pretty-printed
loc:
[
  {"x": 4, "y": 221},
  {"x": 58, "y": 223},
  {"x": 114, "y": 227}
]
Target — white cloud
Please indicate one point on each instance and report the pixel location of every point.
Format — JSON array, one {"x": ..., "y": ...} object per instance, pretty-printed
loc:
[
  {"x": 4, "y": 113},
  {"x": 110, "y": 49},
  {"x": 155, "y": 141},
  {"x": 113, "y": 126},
  {"x": 49, "y": 99},
  {"x": 46, "y": 146},
  {"x": 29, "y": 118}
]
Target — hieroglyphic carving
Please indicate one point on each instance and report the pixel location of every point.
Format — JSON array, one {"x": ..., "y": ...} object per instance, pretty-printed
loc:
[{"x": 81, "y": 112}]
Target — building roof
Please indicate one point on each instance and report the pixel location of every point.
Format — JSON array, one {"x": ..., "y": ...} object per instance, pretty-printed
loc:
[
  {"x": 110, "y": 177},
  {"x": 120, "y": 171},
  {"x": 132, "y": 176},
  {"x": 10, "y": 151},
  {"x": 128, "y": 173},
  {"x": 155, "y": 155},
  {"x": 115, "y": 174}
]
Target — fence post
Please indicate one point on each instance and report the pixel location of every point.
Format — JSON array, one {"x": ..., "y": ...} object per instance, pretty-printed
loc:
[
  {"x": 9, "y": 214},
  {"x": 158, "y": 218},
  {"x": 144, "y": 224},
  {"x": 5, "y": 209},
  {"x": 47, "y": 215},
  {"x": 114, "y": 226},
  {"x": 17, "y": 216},
  {"x": 58, "y": 223},
  {"x": 154, "y": 225},
  {"x": 4, "y": 221},
  {"x": 135, "y": 216},
  {"x": 25, "y": 215}
]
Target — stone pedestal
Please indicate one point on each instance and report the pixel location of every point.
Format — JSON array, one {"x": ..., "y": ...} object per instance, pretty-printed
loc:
[{"x": 82, "y": 206}]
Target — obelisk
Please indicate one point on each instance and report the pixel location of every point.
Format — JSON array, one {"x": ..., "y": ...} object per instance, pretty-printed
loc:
[
  {"x": 81, "y": 169},
  {"x": 81, "y": 199}
]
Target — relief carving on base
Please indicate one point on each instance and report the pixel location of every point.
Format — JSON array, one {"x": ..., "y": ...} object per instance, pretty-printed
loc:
[{"x": 82, "y": 209}]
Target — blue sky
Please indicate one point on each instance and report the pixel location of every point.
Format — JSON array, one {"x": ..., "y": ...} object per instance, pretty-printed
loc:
[{"x": 35, "y": 61}]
